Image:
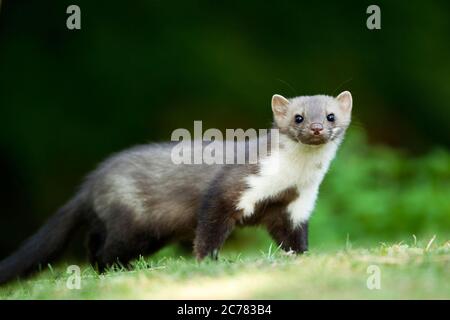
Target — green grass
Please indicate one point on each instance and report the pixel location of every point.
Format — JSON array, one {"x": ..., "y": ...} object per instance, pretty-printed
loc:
[{"x": 410, "y": 270}]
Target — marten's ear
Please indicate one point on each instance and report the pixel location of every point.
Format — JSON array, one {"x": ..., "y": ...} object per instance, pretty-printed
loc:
[
  {"x": 279, "y": 105},
  {"x": 345, "y": 101}
]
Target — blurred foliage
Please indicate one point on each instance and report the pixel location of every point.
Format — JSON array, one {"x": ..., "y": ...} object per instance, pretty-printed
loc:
[{"x": 136, "y": 71}]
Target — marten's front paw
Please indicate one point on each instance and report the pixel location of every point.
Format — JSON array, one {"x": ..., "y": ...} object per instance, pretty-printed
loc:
[
  {"x": 201, "y": 255},
  {"x": 289, "y": 253}
]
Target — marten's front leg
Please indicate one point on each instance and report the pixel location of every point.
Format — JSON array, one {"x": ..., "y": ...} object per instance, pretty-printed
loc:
[
  {"x": 214, "y": 225},
  {"x": 211, "y": 233},
  {"x": 288, "y": 237}
]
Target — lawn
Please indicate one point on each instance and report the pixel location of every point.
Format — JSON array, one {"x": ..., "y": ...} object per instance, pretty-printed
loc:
[{"x": 407, "y": 270}]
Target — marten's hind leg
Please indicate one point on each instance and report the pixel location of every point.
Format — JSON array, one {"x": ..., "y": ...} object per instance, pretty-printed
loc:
[
  {"x": 123, "y": 251},
  {"x": 96, "y": 238},
  {"x": 120, "y": 240}
]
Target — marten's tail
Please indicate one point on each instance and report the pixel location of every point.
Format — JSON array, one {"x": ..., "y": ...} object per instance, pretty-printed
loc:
[{"x": 45, "y": 244}]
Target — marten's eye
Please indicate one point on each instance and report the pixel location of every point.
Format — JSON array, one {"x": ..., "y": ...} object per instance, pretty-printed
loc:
[
  {"x": 331, "y": 117},
  {"x": 298, "y": 118}
]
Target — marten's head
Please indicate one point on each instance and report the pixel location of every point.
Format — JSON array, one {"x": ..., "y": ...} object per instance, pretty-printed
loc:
[{"x": 313, "y": 120}]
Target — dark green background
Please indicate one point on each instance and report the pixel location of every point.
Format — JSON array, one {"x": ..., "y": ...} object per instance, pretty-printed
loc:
[{"x": 137, "y": 70}]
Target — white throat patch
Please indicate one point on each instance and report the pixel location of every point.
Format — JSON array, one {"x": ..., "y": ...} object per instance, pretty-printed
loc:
[{"x": 293, "y": 165}]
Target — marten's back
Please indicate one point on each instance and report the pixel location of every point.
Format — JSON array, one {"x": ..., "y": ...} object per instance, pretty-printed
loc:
[{"x": 146, "y": 184}]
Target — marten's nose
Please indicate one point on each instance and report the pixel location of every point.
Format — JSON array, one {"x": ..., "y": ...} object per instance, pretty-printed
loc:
[{"x": 316, "y": 128}]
